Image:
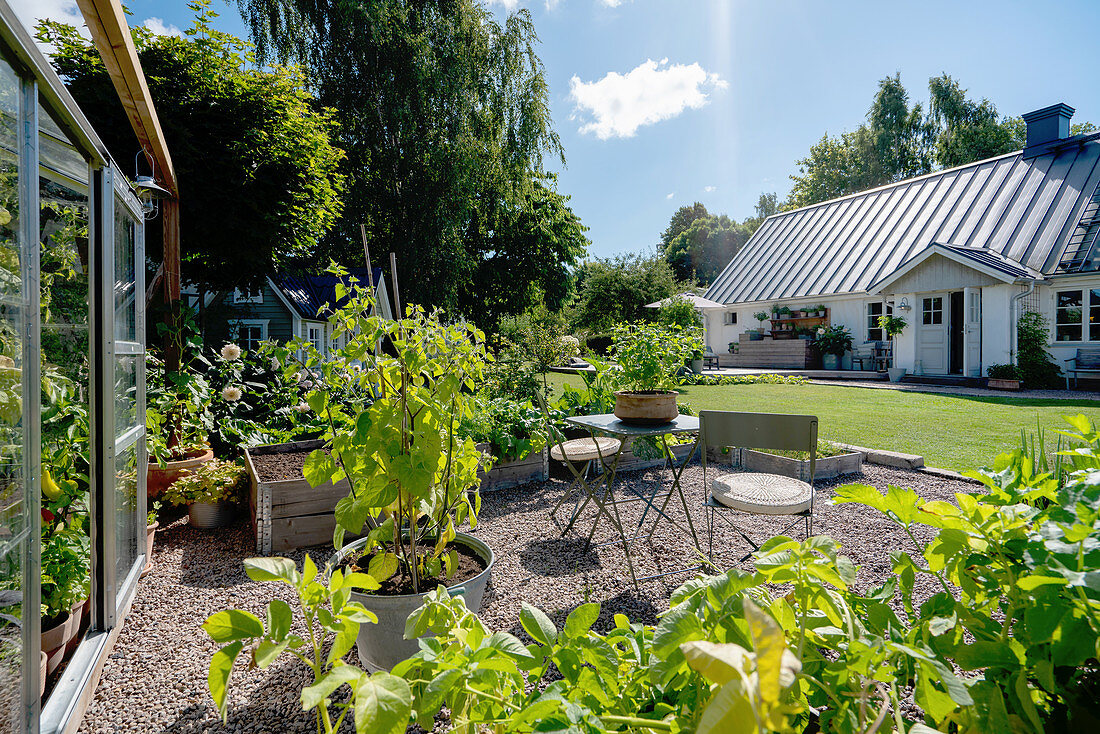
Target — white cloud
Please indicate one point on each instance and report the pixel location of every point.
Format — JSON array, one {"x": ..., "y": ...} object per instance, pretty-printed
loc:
[
  {"x": 618, "y": 104},
  {"x": 709, "y": 189},
  {"x": 159, "y": 27},
  {"x": 612, "y": 3},
  {"x": 510, "y": 5},
  {"x": 32, "y": 11},
  {"x": 671, "y": 195}
]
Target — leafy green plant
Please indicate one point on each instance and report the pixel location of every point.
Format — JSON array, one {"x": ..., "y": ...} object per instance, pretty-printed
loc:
[
  {"x": 679, "y": 311},
  {"x": 650, "y": 356},
  {"x": 892, "y": 325},
  {"x": 513, "y": 429},
  {"x": 1003, "y": 372},
  {"x": 761, "y": 316},
  {"x": 379, "y": 703},
  {"x": 634, "y": 678},
  {"x": 214, "y": 481},
  {"x": 834, "y": 340},
  {"x": 178, "y": 417},
  {"x": 1036, "y": 368},
  {"x": 153, "y": 513},
  {"x": 401, "y": 454}
]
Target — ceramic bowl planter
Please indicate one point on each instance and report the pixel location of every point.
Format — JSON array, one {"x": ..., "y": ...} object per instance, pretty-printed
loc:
[
  {"x": 158, "y": 477},
  {"x": 646, "y": 408},
  {"x": 209, "y": 515},
  {"x": 56, "y": 637},
  {"x": 383, "y": 645},
  {"x": 896, "y": 373},
  {"x": 150, "y": 532}
]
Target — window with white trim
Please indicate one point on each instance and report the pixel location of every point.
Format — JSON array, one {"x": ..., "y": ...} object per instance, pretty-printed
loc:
[
  {"x": 316, "y": 337},
  {"x": 249, "y": 333},
  {"x": 932, "y": 310},
  {"x": 874, "y": 310},
  {"x": 730, "y": 318},
  {"x": 1068, "y": 316},
  {"x": 248, "y": 294}
]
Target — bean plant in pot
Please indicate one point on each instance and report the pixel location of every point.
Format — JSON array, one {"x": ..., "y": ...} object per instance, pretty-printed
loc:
[
  {"x": 413, "y": 479},
  {"x": 833, "y": 342},
  {"x": 209, "y": 491},
  {"x": 650, "y": 359},
  {"x": 893, "y": 325}
]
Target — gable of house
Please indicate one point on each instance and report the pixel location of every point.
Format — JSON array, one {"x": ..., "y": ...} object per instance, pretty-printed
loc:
[{"x": 1023, "y": 208}]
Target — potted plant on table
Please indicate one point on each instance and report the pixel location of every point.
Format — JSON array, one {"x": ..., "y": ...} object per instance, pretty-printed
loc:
[
  {"x": 650, "y": 358},
  {"x": 893, "y": 325},
  {"x": 833, "y": 342},
  {"x": 412, "y": 479},
  {"x": 209, "y": 492}
]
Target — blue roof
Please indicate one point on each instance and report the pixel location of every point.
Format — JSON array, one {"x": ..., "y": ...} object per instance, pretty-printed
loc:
[{"x": 314, "y": 296}]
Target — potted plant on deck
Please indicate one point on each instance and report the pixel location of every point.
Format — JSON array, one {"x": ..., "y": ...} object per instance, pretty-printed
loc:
[
  {"x": 833, "y": 342},
  {"x": 893, "y": 325},
  {"x": 412, "y": 479},
  {"x": 761, "y": 317},
  {"x": 1003, "y": 377},
  {"x": 650, "y": 358},
  {"x": 208, "y": 491}
]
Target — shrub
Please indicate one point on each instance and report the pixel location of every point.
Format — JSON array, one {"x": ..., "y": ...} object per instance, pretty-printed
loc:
[
  {"x": 1037, "y": 370},
  {"x": 513, "y": 429},
  {"x": 651, "y": 357},
  {"x": 1003, "y": 372},
  {"x": 679, "y": 311},
  {"x": 212, "y": 482}
]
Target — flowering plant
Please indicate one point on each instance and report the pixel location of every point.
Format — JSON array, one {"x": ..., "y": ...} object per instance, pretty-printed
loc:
[{"x": 833, "y": 340}]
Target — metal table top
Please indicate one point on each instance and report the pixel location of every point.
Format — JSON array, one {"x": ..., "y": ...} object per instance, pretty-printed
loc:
[{"x": 608, "y": 423}]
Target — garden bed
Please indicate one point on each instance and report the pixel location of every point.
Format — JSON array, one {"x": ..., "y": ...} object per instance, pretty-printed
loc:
[
  {"x": 286, "y": 512},
  {"x": 828, "y": 467},
  {"x": 535, "y": 467}
]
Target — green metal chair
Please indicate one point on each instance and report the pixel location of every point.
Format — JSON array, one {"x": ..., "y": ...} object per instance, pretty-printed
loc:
[
  {"x": 582, "y": 451},
  {"x": 757, "y": 493}
]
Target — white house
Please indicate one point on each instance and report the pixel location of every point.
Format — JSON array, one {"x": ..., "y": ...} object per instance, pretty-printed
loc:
[{"x": 959, "y": 254}]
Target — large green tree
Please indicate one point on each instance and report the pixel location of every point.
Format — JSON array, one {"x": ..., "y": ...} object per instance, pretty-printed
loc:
[
  {"x": 700, "y": 252},
  {"x": 258, "y": 175},
  {"x": 615, "y": 290},
  {"x": 445, "y": 118}
]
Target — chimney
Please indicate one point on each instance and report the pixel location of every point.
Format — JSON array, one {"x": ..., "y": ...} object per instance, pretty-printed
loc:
[{"x": 1045, "y": 126}]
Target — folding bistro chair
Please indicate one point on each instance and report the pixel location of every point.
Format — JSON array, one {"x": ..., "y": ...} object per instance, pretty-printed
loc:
[
  {"x": 582, "y": 451},
  {"x": 757, "y": 493}
]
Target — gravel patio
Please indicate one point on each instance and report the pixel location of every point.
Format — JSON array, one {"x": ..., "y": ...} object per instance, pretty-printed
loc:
[{"x": 155, "y": 680}]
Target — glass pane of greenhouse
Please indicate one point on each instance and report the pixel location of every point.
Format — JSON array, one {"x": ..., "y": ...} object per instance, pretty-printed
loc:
[{"x": 14, "y": 519}]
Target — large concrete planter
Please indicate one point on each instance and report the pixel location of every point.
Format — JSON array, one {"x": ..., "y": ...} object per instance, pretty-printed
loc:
[
  {"x": 830, "y": 362},
  {"x": 535, "y": 467},
  {"x": 383, "y": 645},
  {"x": 896, "y": 373},
  {"x": 209, "y": 515},
  {"x": 158, "y": 478},
  {"x": 650, "y": 408}
]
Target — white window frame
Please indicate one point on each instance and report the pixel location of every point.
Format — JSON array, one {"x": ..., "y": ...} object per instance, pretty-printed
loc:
[
  {"x": 240, "y": 296},
  {"x": 1084, "y": 308},
  {"x": 320, "y": 343},
  {"x": 262, "y": 323},
  {"x": 729, "y": 318},
  {"x": 887, "y": 309}
]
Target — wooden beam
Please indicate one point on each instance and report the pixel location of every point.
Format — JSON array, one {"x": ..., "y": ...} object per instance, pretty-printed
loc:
[
  {"x": 112, "y": 38},
  {"x": 170, "y": 220}
]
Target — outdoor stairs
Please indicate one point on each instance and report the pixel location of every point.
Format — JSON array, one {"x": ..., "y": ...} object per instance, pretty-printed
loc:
[{"x": 944, "y": 380}]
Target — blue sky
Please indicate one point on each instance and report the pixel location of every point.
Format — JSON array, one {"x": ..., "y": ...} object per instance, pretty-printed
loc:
[{"x": 660, "y": 103}]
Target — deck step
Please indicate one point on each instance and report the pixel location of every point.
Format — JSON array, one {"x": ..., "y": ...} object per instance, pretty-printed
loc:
[{"x": 944, "y": 380}]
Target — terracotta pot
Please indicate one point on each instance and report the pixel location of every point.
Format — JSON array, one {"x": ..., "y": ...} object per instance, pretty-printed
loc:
[
  {"x": 82, "y": 617},
  {"x": 42, "y": 662},
  {"x": 54, "y": 640},
  {"x": 158, "y": 478},
  {"x": 150, "y": 531},
  {"x": 995, "y": 383},
  {"x": 649, "y": 408}
]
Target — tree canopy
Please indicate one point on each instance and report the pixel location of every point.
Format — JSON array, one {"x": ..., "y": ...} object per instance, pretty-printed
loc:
[
  {"x": 616, "y": 290},
  {"x": 698, "y": 244},
  {"x": 445, "y": 118},
  {"x": 258, "y": 173},
  {"x": 899, "y": 141}
]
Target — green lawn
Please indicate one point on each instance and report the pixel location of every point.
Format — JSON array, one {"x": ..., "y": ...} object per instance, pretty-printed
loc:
[{"x": 950, "y": 432}]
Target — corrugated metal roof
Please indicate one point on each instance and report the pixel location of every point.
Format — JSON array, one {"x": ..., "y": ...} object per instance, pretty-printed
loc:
[
  {"x": 1018, "y": 210},
  {"x": 994, "y": 260},
  {"x": 316, "y": 294}
]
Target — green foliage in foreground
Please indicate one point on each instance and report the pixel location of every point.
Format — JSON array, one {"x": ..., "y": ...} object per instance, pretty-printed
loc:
[{"x": 1010, "y": 643}]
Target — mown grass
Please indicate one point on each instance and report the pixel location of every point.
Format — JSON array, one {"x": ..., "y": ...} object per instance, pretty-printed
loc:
[{"x": 951, "y": 432}]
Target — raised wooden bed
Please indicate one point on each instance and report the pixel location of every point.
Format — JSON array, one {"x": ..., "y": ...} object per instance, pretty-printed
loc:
[
  {"x": 630, "y": 462},
  {"x": 534, "y": 467},
  {"x": 827, "y": 467},
  {"x": 289, "y": 513}
]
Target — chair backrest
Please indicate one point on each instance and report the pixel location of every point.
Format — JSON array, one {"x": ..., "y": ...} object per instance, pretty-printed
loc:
[
  {"x": 785, "y": 432},
  {"x": 866, "y": 349},
  {"x": 552, "y": 433}
]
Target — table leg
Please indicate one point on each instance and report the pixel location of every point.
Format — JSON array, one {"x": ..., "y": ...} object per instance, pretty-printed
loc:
[{"x": 616, "y": 520}]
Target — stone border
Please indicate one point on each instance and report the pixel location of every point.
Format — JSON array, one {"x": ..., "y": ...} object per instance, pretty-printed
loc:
[{"x": 912, "y": 462}]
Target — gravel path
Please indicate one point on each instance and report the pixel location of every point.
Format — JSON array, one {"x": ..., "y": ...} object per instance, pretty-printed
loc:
[{"x": 155, "y": 680}]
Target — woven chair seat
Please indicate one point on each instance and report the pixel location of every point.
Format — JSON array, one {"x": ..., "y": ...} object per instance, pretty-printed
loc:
[
  {"x": 763, "y": 494},
  {"x": 586, "y": 449}
]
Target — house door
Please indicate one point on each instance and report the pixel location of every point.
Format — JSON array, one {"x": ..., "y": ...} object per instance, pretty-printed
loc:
[
  {"x": 932, "y": 342},
  {"x": 956, "y": 332},
  {"x": 972, "y": 332}
]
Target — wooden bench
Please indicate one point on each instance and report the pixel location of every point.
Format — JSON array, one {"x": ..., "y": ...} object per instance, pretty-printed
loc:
[{"x": 1086, "y": 362}]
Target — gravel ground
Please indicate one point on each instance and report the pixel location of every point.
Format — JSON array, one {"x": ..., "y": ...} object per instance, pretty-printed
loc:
[{"x": 155, "y": 680}]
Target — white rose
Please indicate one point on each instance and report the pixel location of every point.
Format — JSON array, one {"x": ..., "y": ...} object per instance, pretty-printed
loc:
[
  {"x": 231, "y": 351},
  {"x": 301, "y": 408},
  {"x": 231, "y": 394}
]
